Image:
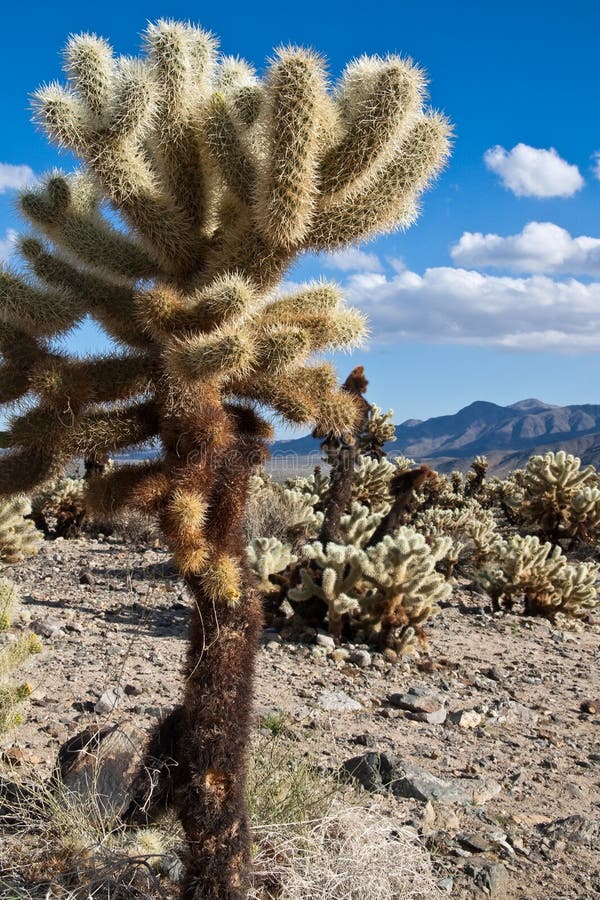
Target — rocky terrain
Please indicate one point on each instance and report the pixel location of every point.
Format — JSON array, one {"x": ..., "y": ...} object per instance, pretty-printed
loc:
[{"x": 488, "y": 745}]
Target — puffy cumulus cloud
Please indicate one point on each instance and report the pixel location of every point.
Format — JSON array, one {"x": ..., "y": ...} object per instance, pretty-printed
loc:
[
  {"x": 540, "y": 247},
  {"x": 596, "y": 164},
  {"x": 352, "y": 259},
  {"x": 13, "y": 178},
  {"x": 459, "y": 306},
  {"x": 7, "y": 245},
  {"x": 532, "y": 172}
]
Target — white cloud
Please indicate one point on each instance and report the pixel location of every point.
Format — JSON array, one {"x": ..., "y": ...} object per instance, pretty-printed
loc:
[
  {"x": 352, "y": 259},
  {"x": 15, "y": 177},
  {"x": 541, "y": 247},
  {"x": 533, "y": 172},
  {"x": 459, "y": 306},
  {"x": 596, "y": 159},
  {"x": 7, "y": 245}
]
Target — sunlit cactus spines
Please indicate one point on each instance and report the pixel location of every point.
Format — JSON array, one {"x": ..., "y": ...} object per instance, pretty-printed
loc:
[
  {"x": 19, "y": 537},
  {"x": 12, "y": 656},
  {"x": 219, "y": 180}
]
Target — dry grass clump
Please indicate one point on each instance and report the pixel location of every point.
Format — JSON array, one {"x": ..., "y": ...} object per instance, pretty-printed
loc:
[{"x": 311, "y": 841}]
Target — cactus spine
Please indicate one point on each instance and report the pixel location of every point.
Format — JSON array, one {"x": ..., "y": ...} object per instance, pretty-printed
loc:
[{"x": 221, "y": 179}]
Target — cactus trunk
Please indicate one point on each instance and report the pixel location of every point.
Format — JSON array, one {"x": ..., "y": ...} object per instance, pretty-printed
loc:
[{"x": 216, "y": 725}]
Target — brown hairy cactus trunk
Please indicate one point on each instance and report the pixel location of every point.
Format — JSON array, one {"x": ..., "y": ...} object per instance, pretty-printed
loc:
[
  {"x": 213, "y": 726},
  {"x": 343, "y": 452},
  {"x": 403, "y": 487}
]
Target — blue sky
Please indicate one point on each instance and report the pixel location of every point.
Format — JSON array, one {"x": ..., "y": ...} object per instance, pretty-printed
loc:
[{"x": 495, "y": 293}]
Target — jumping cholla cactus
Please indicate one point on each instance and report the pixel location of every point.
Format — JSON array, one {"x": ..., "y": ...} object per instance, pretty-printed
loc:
[
  {"x": 341, "y": 567},
  {"x": 380, "y": 430},
  {"x": 358, "y": 526},
  {"x": 556, "y": 497},
  {"x": 219, "y": 179},
  {"x": 371, "y": 482},
  {"x": 18, "y": 536},
  {"x": 274, "y": 510},
  {"x": 268, "y": 556},
  {"x": 13, "y": 655},
  {"x": 59, "y": 508},
  {"x": 523, "y": 567},
  {"x": 472, "y": 531},
  {"x": 388, "y": 589}
]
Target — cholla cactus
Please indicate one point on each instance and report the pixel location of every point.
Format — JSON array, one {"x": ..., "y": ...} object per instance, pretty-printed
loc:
[
  {"x": 220, "y": 180},
  {"x": 472, "y": 531},
  {"x": 556, "y": 497},
  {"x": 59, "y": 508},
  {"x": 380, "y": 430},
  {"x": 268, "y": 556},
  {"x": 340, "y": 568},
  {"x": 371, "y": 482},
  {"x": 13, "y": 655},
  {"x": 523, "y": 567},
  {"x": 314, "y": 485},
  {"x": 405, "y": 586},
  {"x": 18, "y": 536},
  {"x": 358, "y": 526}
]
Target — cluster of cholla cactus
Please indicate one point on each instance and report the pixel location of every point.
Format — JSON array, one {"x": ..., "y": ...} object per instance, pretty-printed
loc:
[
  {"x": 379, "y": 430},
  {"x": 268, "y": 556},
  {"x": 524, "y": 568},
  {"x": 18, "y": 535},
  {"x": 555, "y": 497},
  {"x": 58, "y": 509},
  {"x": 12, "y": 655},
  {"x": 219, "y": 179},
  {"x": 472, "y": 530},
  {"x": 281, "y": 510},
  {"x": 385, "y": 591}
]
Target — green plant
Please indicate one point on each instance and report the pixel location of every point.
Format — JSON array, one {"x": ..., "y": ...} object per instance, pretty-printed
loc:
[
  {"x": 557, "y": 498},
  {"x": 540, "y": 575},
  {"x": 13, "y": 655},
  {"x": 18, "y": 536},
  {"x": 220, "y": 180}
]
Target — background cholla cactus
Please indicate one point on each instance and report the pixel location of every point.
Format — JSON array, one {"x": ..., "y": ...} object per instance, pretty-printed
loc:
[
  {"x": 358, "y": 525},
  {"x": 268, "y": 556},
  {"x": 59, "y": 508},
  {"x": 379, "y": 430},
  {"x": 275, "y": 510},
  {"x": 540, "y": 574},
  {"x": 18, "y": 536},
  {"x": 13, "y": 655},
  {"x": 220, "y": 179},
  {"x": 472, "y": 530},
  {"x": 339, "y": 568},
  {"x": 555, "y": 497},
  {"x": 371, "y": 482}
]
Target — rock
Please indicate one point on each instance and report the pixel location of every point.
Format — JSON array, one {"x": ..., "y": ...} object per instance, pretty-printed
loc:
[
  {"x": 86, "y": 577},
  {"x": 337, "y": 701},
  {"x": 108, "y": 701},
  {"x": 446, "y": 885},
  {"x": 325, "y": 640},
  {"x": 590, "y": 707},
  {"x": 492, "y": 878},
  {"x": 473, "y": 842},
  {"x": 133, "y": 690},
  {"x": 575, "y": 829},
  {"x": 383, "y": 773},
  {"x": 101, "y": 763},
  {"x": 465, "y": 718},
  {"x": 423, "y": 705},
  {"x": 48, "y": 627},
  {"x": 361, "y": 658}
]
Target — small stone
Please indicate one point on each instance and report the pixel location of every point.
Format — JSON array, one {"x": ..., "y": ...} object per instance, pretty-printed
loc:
[
  {"x": 337, "y": 701},
  {"x": 48, "y": 627},
  {"x": 272, "y": 645},
  {"x": 465, "y": 718},
  {"x": 446, "y": 885},
  {"x": 422, "y": 704},
  {"x": 325, "y": 640},
  {"x": 361, "y": 658},
  {"x": 133, "y": 690},
  {"x": 107, "y": 702},
  {"x": 473, "y": 842},
  {"x": 86, "y": 577}
]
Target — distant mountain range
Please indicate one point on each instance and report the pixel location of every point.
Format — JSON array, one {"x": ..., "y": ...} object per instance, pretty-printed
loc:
[{"x": 507, "y": 435}]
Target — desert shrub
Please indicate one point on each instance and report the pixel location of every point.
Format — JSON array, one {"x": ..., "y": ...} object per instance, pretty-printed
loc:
[
  {"x": 524, "y": 568},
  {"x": 556, "y": 498},
  {"x": 14, "y": 652},
  {"x": 279, "y": 511},
  {"x": 18, "y": 535}
]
